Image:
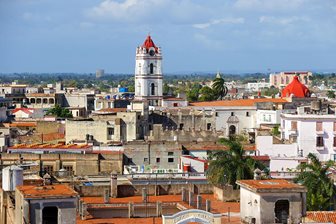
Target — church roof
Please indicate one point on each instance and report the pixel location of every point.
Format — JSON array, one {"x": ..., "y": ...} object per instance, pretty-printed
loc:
[
  {"x": 296, "y": 88},
  {"x": 149, "y": 43}
]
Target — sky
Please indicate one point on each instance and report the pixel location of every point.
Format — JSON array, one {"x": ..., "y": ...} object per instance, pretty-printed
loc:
[{"x": 81, "y": 36}]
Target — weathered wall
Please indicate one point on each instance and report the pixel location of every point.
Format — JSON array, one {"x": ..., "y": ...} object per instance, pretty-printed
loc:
[
  {"x": 226, "y": 193},
  {"x": 136, "y": 190},
  {"x": 83, "y": 164}
]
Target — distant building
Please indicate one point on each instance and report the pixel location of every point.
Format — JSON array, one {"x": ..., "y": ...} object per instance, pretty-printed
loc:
[
  {"x": 295, "y": 89},
  {"x": 148, "y": 73},
  {"x": 100, "y": 73},
  {"x": 284, "y": 78},
  {"x": 256, "y": 86}
]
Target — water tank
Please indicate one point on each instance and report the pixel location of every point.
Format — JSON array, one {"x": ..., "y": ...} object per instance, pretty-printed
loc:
[
  {"x": 186, "y": 168},
  {"x": 123, "y": 89},
  {"x": 316, "y": 105},
  {"x": 108, "y": 97},
  {"x": 12, "y": 176}
]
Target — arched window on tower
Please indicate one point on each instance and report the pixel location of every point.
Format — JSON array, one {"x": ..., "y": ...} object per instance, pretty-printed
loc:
[
  {"x": 151, "y": 68},
  {"x": 152, "y": 89}
]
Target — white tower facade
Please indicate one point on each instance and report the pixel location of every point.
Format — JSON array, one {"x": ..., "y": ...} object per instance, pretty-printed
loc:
[{"x": 148, "y": 73}]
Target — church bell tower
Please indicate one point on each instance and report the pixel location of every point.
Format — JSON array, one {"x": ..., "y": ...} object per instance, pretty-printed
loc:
[{"x": 148, "y": 73}]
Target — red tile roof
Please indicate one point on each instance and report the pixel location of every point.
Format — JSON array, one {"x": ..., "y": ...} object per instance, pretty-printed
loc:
[
  {"x": 48, "y": 191},
  {"x": 50, "y": 146},
  {"x": 23, "y": 124},
  {"x": 25, "y": 110},
  {"x": 237, "y": 103},
  {"x": 321, "y": 216},
  {"x": 272, "y": 184}
]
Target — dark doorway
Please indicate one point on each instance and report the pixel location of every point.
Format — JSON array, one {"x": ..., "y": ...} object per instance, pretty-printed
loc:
[
  {"x": 232, "y": 130},
  {"x": 50, "y": 215},
  {"x": 281, "y": 211}
]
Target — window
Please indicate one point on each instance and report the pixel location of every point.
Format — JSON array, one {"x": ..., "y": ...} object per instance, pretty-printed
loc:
[
  {"x": 170, "y": 160},
  {"x": 145, "y": 160},
  {"x": 175, "y": 105},
  {"x": 158, "y": 160},
  {"x": 170, "y": 153},
  {"x": 294, "y": 125},
  {"x": 111, "y": 131},
  {"x": 151, "y": 68},
  {"x": 247, "y": 114},
  {"x": 48, "y": 169},
  {"x": 319, "y": 126},
  {"x": 319, "y": 141},
  {"x": 181, "y": 126},
  {"x": 216, "y": 114},
  {"x": 293, "y": 138},
  {"x": 152, "y": 86},
  {"x": 208, "y": 126},
  {"x": 232, "y": 114},
  {"x": 334, "y": 126},
  {"x": 334, "y": 142},
  {"x": 68, "y": 168}
]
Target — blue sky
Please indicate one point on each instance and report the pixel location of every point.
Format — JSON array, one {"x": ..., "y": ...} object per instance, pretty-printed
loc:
[{"x": 195, "y": 35}]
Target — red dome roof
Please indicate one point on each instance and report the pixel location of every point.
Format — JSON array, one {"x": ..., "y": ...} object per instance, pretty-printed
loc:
[
  {"x": 149, "y": 43},
  {"x": 296, "y": 88}
]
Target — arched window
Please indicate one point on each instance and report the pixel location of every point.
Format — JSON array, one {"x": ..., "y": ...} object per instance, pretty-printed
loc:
[
  {"x": 151, "y": 68},
  {"x": 152, "y": 89}
]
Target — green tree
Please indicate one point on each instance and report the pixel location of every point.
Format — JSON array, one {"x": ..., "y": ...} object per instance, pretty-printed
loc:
[
  {"x": 321, "y": 189},
  {"x": 206, "y": 94},
  {"x": 226, "y": 167},
  {"x": 59, "y": 111},
  {"x": 272, "y": 91},
  {"x": 331, "y": 94},
  {"x": 193, "y": 93},
  {"x": 219, "y": 87}
]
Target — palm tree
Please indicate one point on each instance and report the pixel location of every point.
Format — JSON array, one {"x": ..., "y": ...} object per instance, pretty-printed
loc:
[
  {"x": 321, "y": 189},
  {"x": 219, "y": 87},
  {"x": 226, "y": 167}
]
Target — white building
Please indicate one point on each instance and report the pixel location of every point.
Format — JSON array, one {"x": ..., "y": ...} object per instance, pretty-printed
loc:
[
  {"x": 271, "y": 201},
  {"x": 257, "y": 86},
  {"x": 240, "y": 116},
  {"x": 148, "y": 73},
  {"x": 313, "y": 133}
]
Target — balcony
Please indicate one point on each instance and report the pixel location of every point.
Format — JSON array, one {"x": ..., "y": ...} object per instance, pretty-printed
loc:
[
  {"x": 319, "y": 132},
  {"x": 292, "y": 132},
  {"x": 320, "y": 148}
]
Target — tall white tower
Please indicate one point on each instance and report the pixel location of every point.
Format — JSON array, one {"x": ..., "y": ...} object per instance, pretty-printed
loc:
[{"x": 148, "y": 73}]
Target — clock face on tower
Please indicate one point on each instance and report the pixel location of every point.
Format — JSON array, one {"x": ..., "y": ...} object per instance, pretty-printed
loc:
[{"x": 151, "y": 52}]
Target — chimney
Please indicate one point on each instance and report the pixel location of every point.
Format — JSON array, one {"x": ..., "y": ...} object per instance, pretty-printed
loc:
[{"x": 257, "y": 174}]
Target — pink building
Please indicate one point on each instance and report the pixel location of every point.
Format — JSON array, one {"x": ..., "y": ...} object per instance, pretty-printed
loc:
[{"x": 284, "y": 78}]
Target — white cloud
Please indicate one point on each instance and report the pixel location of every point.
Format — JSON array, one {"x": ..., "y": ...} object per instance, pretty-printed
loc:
[
  {"x": 150, "y": 11},
  {"x": 239, "y": 20},
  {"x": 261, "y": 5},
  {"x": 282, "y": 20},
  {"x": 129, "y": 9}
]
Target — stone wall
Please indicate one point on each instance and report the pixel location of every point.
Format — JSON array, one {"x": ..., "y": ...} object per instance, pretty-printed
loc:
[
  {"x": 160, "y": 134},
  {"x": 82, "y": 164},
  {"x": 136, "y": 190},
  {"x": 226, "y": 193}
]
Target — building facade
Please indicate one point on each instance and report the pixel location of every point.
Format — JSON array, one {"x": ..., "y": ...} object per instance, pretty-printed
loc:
[{"x": 282, "y": 79}]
